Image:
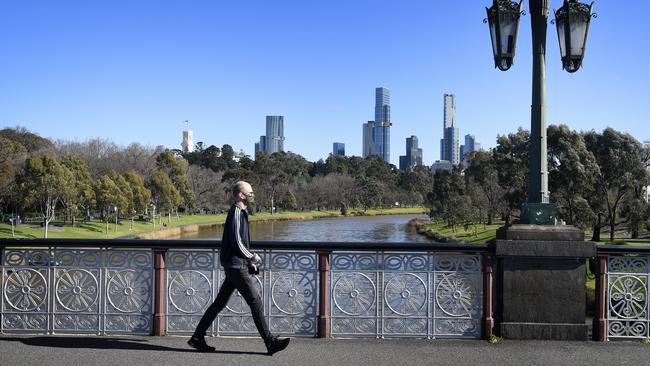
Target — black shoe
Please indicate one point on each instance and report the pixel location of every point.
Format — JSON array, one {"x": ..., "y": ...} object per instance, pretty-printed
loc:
[
  {"x": 275, "y": 344},
  {"x": 199, "y": 344}
]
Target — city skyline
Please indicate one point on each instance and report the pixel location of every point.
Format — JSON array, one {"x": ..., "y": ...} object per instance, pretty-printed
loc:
[{"x": 117, "y": 70}]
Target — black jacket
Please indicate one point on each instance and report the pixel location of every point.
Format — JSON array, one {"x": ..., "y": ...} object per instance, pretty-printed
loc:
[{"x": 235, "y": 242}]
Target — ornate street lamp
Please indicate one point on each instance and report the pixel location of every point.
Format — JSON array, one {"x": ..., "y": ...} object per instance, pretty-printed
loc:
[
  {"x": 503, "y": 18},
  {"x": 572, "y": 21}
]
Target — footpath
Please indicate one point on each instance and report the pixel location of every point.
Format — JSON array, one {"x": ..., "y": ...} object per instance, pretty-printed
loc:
[{"x": 134, "y": 351}]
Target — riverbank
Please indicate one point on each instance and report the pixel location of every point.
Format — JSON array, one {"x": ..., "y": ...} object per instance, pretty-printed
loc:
[
  {"x": 176, "y": 225},
  {"x": 440, "y": 232}
]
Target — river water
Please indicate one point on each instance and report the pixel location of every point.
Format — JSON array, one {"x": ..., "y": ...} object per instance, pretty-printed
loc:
[{"x": 389, "y": 228}]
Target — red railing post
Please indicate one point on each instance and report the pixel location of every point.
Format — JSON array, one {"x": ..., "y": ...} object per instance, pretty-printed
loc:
[
  {"x": 324, "y": 295},
  {"x": 600, "y": 321},
  {"x": 488, "y": 282},
  {"x": 159, "y": 324}
]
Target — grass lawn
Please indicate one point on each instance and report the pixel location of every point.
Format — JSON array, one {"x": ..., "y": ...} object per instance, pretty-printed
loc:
[
  {"x": 97, "y": 229},
  {"x": 473, "y": 234}
]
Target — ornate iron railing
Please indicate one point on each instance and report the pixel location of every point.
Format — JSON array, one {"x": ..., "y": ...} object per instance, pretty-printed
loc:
[
  {"x": 158, "y": 287},
  {"x": 623, "y": 277}
]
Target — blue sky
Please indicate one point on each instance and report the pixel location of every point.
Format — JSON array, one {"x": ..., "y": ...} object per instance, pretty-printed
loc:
[{"x": 132, "y": 71}]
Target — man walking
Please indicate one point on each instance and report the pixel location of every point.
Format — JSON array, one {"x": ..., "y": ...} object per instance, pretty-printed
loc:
[{"x": 236, "y": 259}]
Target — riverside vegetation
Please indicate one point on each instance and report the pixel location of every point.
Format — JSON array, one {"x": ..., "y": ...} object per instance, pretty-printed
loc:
[{"x": 596, "y": 180}]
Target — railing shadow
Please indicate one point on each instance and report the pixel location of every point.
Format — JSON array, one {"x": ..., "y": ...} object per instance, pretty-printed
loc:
[{"x": 111, "y": 343}]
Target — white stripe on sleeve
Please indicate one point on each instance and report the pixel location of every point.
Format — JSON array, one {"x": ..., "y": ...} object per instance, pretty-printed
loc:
[{"x": 242, "y": 248}]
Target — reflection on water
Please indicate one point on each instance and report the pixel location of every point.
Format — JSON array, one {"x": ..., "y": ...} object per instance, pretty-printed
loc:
[{"x": 390, "y": 228}]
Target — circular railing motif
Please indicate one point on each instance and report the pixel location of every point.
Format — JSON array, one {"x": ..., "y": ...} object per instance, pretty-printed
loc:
[
  {"x": 454, "y": 295},
  {"x": 628, "y": 297},
  {"x": 237, "y": 303},
  {"x": 76, "y": 289},
  {"x": 405, "y": 294},
  {"x": 25, "y": 289},
  {"x": 189, "y": 291},
  {"x": 290, "y": 293},
  {"x": 354, "y": 293},
  {"x": 128, "y": 291}
]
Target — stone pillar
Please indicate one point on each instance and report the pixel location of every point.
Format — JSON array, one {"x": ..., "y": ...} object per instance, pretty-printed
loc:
[{"x": 541, "y": 282}]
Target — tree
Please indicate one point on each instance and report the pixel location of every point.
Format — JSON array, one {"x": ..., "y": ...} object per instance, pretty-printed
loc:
[
  {"x": 43, "y": 183},
  {"x": 371, "y": 192},
  {"x": 176, "y": 170},
  {"x": 31, "y": 142},
  {"x": 141, "y": 196},
  {"x": 209, "y": 188},
  {"x": 483, "y": 172},
  {"x": 511, "y": 156},
  {"x": 163, "y": 193},
  {"x": 82, "y": 194},
  {"x": 622, "y": 171},
  {"x": 269, "y": 167},
  {"x": 572, "y": 174},
  {"x": 109, "y": 197}
]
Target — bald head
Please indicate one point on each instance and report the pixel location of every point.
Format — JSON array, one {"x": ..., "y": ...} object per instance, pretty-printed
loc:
[{"x": 242, "y": 187}]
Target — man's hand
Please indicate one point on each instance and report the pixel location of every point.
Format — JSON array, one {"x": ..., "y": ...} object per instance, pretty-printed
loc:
[{"x": 256, "y": 259}]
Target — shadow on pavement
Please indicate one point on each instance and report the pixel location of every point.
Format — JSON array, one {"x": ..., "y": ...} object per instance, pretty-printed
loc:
[
  {"x": 92, "y": 342},
  {"x": 107, "y": 343}
]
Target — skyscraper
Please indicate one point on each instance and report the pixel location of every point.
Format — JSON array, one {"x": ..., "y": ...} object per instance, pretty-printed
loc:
[
  {"x": 449, "y": 142},
  {"x": 382, "y": 123},
  {"x": 470, "y": 146},
  {"x": 273, "y": 141},
  {"x": 338, "y": 148},
  {"x": 274, "y": 134},
  {"x": 413, "y": 155},
  {"x": 449, "y": 111},
  {"x": 368, "y": 139}
]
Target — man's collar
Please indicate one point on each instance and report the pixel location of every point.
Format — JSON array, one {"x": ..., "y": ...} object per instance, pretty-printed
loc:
[{"x": 241, "y": 205}]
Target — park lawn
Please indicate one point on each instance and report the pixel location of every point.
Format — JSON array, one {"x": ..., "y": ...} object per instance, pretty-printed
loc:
[
  {"x": 438, "y": 230},
  {"x": 97, "y": 229}
]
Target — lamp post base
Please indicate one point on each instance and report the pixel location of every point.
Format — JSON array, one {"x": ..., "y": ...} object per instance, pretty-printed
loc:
[{"x": 538, "y": 214}]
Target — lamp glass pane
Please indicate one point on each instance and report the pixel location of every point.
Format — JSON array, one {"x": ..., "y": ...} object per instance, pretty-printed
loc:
[
  {"x": 578, "y": 35},
  {"x": 508, "y": 28},
  {"x": 561, "y": 37}
]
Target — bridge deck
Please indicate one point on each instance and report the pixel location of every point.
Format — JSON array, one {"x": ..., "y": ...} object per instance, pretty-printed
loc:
[{"x": 97, "y": 350}]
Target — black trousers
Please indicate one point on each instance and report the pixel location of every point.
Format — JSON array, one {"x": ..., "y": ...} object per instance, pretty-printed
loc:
[{"x": 240, "y": 280}]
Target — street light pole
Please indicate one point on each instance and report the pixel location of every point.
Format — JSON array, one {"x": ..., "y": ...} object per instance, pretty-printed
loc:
[{"x": 538, "y": 177}]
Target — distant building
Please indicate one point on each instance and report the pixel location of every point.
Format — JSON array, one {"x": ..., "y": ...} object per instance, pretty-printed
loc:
[
  {"x": 382, "y": 123},
  {"x": 647, "y": 194},
  {"x": 449, "y": 149},
  {"x": 413, "y": 155},
  {"x": 187, "y": 144},
  {"x": 274, "y": 134},
  {"x": 338, "y": 149},
  {"x": 470, "y": 146},
  {"x": 368, "y": 144},
  {"x": 442, "y": 164},
  {"x": 273, "y": 141}
]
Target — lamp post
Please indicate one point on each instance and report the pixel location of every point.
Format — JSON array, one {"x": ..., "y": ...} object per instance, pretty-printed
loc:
[
  {"x": 572, "y": 21},
  {"x": 115, "y": 210}
]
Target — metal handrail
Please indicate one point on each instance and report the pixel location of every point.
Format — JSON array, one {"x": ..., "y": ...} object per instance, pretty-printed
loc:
[
  {"x": 215, "y": 244},
  {"x": 622, "y": 249}
]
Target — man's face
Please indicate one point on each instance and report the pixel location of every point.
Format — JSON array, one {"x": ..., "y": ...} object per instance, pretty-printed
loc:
[{"x": 247, "y": 193}]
